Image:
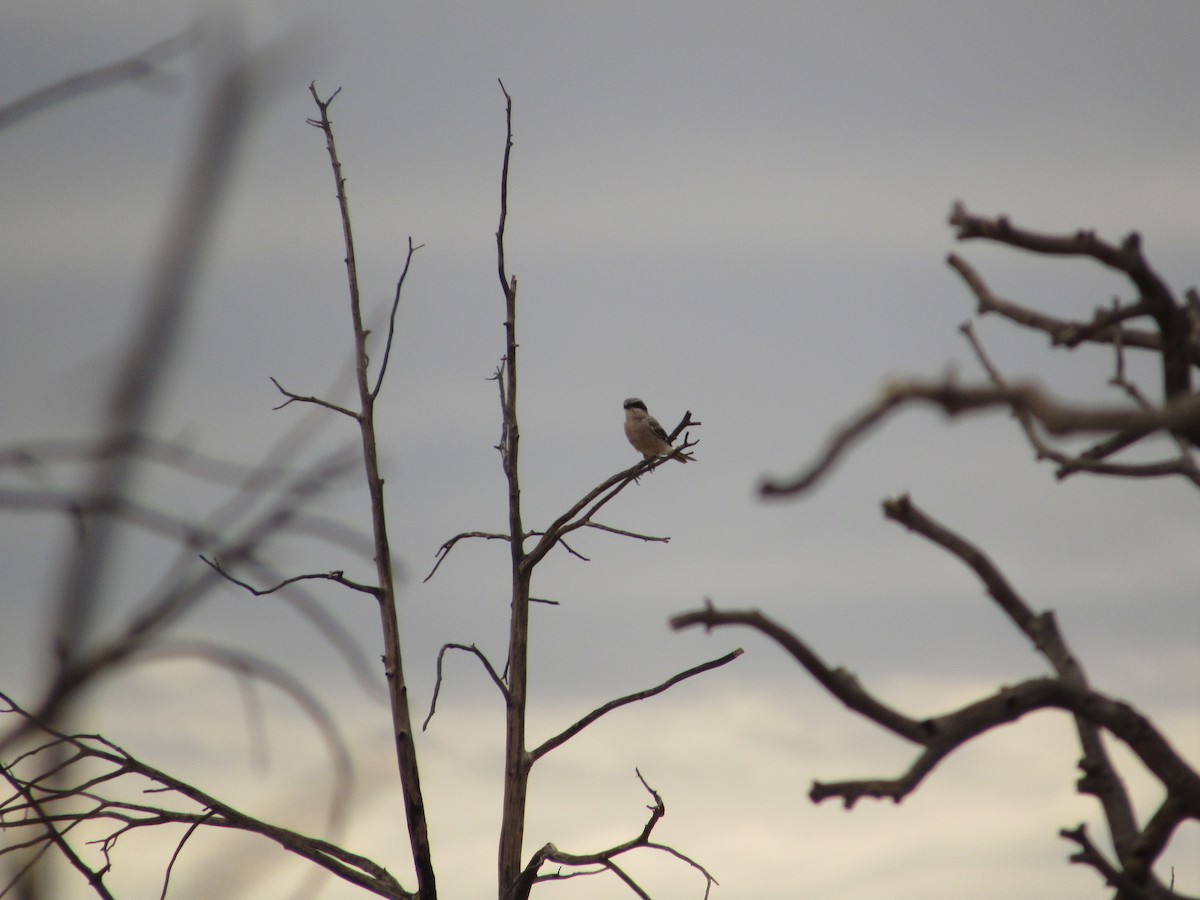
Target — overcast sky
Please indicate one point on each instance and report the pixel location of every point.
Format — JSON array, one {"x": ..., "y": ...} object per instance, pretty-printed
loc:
[{"x": 734, "y": 209}]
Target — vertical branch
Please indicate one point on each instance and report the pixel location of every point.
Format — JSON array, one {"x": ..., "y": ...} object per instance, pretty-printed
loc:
[
  {"x": 516, "y": 758},
  {"x": 402, "y": 725}
]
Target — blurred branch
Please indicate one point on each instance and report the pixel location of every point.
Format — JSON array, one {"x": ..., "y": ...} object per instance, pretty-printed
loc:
[
  {"x": 1103, "y": 781},
  {"x": 1093, "y": 459},
  {"x": 178, "y": 595},
  {"x": 141, "y": 67},
  {"x": 150, "y": 349},
  {"x": 1024, "y": 399},
  {"x": 1172, "y": 318},
  {"x": 1104, "y": 328},
  {"x": 839, "y": 682},
  {"x": 941, "y": 735}
]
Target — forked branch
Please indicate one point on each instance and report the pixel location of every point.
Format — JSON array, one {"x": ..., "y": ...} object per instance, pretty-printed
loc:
[
  {"x": 1023, "y": 399},
  {"x": 606, "y": 860},
  {"x": 93, "y": 781}
]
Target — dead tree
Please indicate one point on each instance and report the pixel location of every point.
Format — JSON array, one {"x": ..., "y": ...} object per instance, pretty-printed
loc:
[
  {"x": 1171, "y": 336},
  {"x": 517, "y": 875},
  {"x": 78, "y": 796},
  {"x": 56, "y": 780}
]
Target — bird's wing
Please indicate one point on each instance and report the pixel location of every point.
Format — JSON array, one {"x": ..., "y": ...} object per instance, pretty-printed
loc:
[{"x": 657, "y": 430}]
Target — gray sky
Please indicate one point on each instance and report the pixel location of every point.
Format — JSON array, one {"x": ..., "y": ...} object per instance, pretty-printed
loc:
[{"x": 734, "y": 210}]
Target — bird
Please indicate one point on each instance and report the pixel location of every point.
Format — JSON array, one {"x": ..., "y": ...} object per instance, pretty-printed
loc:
[{"x": 647, "y": 436}]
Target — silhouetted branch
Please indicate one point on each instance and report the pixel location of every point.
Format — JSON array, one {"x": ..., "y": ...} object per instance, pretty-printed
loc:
[
  {"x": 444, "y": 550},
  {"x": 391, "y": 333},
  {"x": 606, "y": 859},
  {"x": 337, "y": 577},
  {"x": 392, "y": 657},
  {"x": 316, "y": 401},
  {"x": 437, "y": 686},
  {"x": 93, "y": 778},
  {"x": 841, "y": 683},
  {"x": 1172, "y": 318},
  {"x": 563, "y": 736}
]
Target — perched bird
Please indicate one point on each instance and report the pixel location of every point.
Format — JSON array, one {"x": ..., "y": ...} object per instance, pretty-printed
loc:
[{"x": 647, "y": 436}]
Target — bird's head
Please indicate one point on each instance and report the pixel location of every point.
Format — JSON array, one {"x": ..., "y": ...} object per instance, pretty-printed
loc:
[{"x": 635, "y": 403}]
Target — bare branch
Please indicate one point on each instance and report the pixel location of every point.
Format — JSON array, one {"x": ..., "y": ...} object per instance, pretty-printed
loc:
[
  {"x": 1042, "y": 630},
  {"x": 94, "y": 764},
  {"x": 630, "y": 534},
  {"x": 839, "y": 682},
  {"x": 1102, "y": 329},
  {"x": 941, "y": 735},
  {"x": 402, "y": 724},
  {"x": 606, "y": 859},
  {"x": 444, "y": 550},
  {"x": 597, "y": 498},
  {"x": 141, "y": 67},
  {"x": 338, "y": 577},
  {"x": 391, "y": 333},
  {"x": 1173, "y": 319},
  {"x": 316, "y": 401},
  {"x": 1090, "y": 855},
  {"x": 437, "y": 686},
  {"x": 1181, "y": 416},
  {"x": 562, "y": 737}
]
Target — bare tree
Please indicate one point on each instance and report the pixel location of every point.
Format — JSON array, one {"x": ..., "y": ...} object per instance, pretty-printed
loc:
[
  {"x": 1172, "y": 339},
  {"x": 516, "y": 876},
  {"x": 78, "y": 796}
]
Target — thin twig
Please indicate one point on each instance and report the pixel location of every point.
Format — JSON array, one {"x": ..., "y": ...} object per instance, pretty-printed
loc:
[{"x": 565, "y": 735}]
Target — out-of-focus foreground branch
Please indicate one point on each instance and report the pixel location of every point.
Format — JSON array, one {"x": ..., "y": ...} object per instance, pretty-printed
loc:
[{"x": 1173, "y": 338}]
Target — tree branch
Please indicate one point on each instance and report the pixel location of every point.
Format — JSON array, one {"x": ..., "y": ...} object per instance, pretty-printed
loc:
[
  {"x": 606, "y": 858},
  {"x": 444, "y": 550},
  {"x": 47, "y": 804},
  {"x": 141, "y": 66},
  {"x": 391, "y": 333},
  {"x": 337, "y": 576},
  {"x": 1181, "y": 415},
  {"x": 316, "y": 401},
  {"x": 563, "y": 736},
  {"x": 1173, "y": 319},
  {"x": 437, "y": 686},
  {"x": 841, "y": 683}
]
